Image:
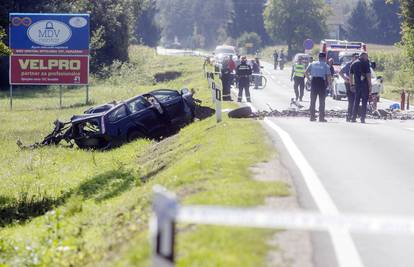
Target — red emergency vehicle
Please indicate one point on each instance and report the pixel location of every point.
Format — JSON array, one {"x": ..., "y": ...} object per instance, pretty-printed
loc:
[{"x": 333, "y": 48}]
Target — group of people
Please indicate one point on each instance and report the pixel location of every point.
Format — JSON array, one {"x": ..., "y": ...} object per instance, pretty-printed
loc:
[
  {"x": 279, "y": 59},
  {"x": 239, "y": 72},
  {"x": 357, "y": 76}
]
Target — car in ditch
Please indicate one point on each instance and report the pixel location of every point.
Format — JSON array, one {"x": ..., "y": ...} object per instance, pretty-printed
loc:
[{"x": 153, "y": 115}]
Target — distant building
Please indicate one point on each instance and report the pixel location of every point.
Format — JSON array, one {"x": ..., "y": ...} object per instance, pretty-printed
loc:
[{"x": 336, "y": 21}]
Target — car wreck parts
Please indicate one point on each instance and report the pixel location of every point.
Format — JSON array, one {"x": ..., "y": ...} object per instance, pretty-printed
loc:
[
  {"x": 153, "y": 115},
  {"x": 385, "y": 114}
]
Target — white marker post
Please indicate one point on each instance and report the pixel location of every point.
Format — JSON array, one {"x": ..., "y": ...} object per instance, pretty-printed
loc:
[{"x": 218, "y": 103}]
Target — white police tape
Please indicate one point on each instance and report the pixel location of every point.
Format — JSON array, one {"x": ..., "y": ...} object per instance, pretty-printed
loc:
[{"x": 265, "y": 218}]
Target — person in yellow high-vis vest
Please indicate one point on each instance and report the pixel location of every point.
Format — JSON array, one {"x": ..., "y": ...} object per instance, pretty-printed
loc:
[{"x": 298, "y": 76}]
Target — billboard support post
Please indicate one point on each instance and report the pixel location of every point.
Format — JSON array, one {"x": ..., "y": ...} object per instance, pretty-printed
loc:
[
  {"x": 60, "y": 96},
  {"x": 11, "y": 97},
  {"x": 87, "y": 94}
]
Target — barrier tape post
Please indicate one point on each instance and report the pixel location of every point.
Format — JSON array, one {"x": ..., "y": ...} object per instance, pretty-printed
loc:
[
  {"x": 167, "y": 211},
  {"x": 165, "y": 208}
]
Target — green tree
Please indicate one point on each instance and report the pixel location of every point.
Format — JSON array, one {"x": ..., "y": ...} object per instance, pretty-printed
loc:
[
  {"x": 407, "y": 12},
  {"x": 388, "y": 22},
  {"x": 195, "y": 21},
  {"x": 4, "y": 49},
  {"x": 148, "y": 31},
  {"x": 294, "y": 21},
  {"x": 251, "y": 41},
  {"x": 248, "y": 17},
  {"x": 361, "y": 23}
]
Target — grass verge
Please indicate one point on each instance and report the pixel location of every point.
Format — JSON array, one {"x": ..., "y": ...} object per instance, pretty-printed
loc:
[{"x": 69, "y": 207}]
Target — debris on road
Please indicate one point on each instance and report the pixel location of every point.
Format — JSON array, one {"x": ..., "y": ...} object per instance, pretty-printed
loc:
[{"x": 296, "y": 111}]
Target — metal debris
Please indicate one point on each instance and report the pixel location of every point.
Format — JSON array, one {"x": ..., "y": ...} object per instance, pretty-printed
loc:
[{"x": 297, "y": 111}]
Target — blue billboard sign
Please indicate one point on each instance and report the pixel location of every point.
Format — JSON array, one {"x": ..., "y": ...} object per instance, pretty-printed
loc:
[{"x": 49, "y": 34}]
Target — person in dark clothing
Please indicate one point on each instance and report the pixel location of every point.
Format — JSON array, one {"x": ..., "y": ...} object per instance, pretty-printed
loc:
[
  {"x": 361, "y": 79},
  {"x": 226, "y": 81},
  {"x": 320, "y": 76},
  {"x": 275, "y": 59},
  {"x": 350, "y": 94},
  {"x": 256, "y": 71},
  {"x": 243, "y": 72},
  {"x": 332, "y": 70}
]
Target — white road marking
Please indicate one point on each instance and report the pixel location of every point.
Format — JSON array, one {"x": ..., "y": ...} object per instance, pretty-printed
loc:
[
  {"x": 345, "y": 250},
  {"x": 410, "y": 129}
]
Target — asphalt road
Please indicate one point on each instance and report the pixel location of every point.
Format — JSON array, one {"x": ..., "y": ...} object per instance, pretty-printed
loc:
[
  {"x": 365, "y": 168},
  {"x": 362, "y": 168}
]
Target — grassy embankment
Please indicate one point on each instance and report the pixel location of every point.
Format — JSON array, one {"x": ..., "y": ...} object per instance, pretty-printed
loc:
[{"x": 69, "y": 207}]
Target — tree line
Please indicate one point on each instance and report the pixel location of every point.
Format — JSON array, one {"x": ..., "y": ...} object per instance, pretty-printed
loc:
[{"x": 376, "y": 21}]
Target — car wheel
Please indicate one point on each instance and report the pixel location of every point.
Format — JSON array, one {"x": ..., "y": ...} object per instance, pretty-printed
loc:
[{"x": 134, "y": 134}]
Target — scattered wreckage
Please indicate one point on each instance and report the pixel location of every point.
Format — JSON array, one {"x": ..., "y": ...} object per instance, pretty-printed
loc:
[
  {"x": 151, "y": 115},
  {"x": 296, "y": 110}
]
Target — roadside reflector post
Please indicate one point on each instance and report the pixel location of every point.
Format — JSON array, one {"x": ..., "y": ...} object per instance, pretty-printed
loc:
[
  {"x": 213, "y": 91},
  {"x": 165, "y": 206},
  {"x": 218, "y": 104}
]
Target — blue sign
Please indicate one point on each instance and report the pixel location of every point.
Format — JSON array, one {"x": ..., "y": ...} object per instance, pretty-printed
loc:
[
  {"x": 308, "y": 44},
  {"x": 49, "y": 34}
]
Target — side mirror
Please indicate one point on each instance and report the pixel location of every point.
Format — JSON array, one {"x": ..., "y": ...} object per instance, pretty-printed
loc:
[{"x": 373, "y": 65}]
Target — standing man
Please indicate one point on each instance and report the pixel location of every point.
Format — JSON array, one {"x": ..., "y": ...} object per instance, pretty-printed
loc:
[
  {"x": 256, "y": 72},
  {"x": 361, "y": 79},
  {"x": 332, "y": 70},
  {"x": 350, "y": 94},
  {"x": 275, "y": 59},
  {"x": 226, "y": 81},
  {"x": 243, "y": 73},
  {"x": 320, "y": 76},
  {"x": 298, "y": 76},
  {"x": 282, "y": 59}
]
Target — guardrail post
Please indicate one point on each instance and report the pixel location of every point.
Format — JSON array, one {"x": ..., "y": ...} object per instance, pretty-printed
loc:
[{"x": 165, "y": 207}]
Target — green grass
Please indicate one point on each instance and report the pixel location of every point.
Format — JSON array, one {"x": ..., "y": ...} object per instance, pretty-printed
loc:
[{"x": 70, "y": 207}]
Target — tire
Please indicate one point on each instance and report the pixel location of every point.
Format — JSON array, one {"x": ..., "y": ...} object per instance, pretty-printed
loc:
[
  {"x": 134, "y": 135},
  {"x": 239, "y": 113}
]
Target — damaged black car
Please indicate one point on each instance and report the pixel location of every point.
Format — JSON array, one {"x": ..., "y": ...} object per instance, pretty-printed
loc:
[{"x": 152, "y": 115}]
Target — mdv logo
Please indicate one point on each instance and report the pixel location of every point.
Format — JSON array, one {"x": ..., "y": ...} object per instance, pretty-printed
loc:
[{"x": 49, "y": 33}]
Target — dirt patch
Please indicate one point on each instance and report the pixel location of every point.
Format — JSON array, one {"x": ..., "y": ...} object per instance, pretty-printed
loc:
[
  {"x": 292, "y": 248},
  {"x": 167, "y": 76}
]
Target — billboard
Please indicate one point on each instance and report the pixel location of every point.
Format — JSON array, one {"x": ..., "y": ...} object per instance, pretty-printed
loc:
[
  {"x": 49, "y": 48},
  {"x": 44, "y": 69}
]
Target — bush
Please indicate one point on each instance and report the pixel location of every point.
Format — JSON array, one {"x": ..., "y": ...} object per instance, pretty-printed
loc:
[
  {"x": 251, "y": 41},
  {"x": 390, "y": 62}
]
